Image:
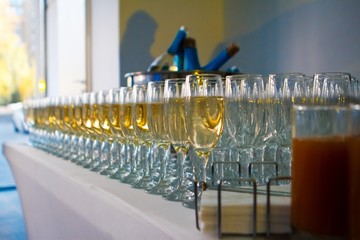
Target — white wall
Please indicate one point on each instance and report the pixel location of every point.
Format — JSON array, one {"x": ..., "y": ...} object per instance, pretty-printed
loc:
[
  {"x": 297, "y": 35},
  {"x": 52, "y": 52},
  {"x": 104, "y": 44},
  {"x": 65, "y": 47}
]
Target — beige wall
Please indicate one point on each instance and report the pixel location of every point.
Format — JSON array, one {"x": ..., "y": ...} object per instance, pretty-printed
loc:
[{"x": 203, "y": 18}]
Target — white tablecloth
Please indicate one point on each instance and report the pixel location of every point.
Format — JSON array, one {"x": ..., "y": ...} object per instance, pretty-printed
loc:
[{"x": 61, "y": 200}]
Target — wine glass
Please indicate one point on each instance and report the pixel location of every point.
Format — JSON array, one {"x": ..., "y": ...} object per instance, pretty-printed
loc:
[
  {"x": 74, "y": 108},
  {"x": 157, "y": 127},
  {"x": 29, "y": 112},
  {"x": 244, "y": 102},
  {"x": 86, "y": 118},
  {"x": 283, "y": 91},
  {"x": 117, "y": 150},
  {"x": 130, "y": 172},
  {"x": 175, "y": 127},
  {"x": 66, "y": 126},
  {"x": 142, "y": 132},
  {"x": 104, "y": 132},
  {"x": 204, "y": 117},
  {"x": 332, "y": 88},
  {"x": 79, "y": 157}
]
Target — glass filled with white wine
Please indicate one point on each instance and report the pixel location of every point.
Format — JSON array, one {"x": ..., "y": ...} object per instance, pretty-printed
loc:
[
  {"x": 204, "y": 117},
  {"x": 175, "y": 127},
  {"x": 131, "y": 171},
  {"x": 86, "y": 118},
  {"x": 75, "y": 115},
  {"x": 142, "y": 133},
  {"x": 66, "y": 125},
  {"x": 156, "y": 121},
  {"x": 117, "y": 150},
  {"x": 104, "y": 133}
]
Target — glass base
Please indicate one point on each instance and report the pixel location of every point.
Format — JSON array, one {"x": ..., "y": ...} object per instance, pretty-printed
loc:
[
  {"x": 109, "y": 171},
  {"x": 120, "y": 175},
  {"x": 132, "y": 178},
  {"x": 99, "y": 167},
  {"x": 189, "y": 200},
  {"x": 177, "y": 195},
  {"x": 74, "y": 158},
  {"x": 79, "y": 160},
  {"x": 162, "y": 188},
  {"x": 87, "y": 163},
  {"x": 146, "y": 182}
]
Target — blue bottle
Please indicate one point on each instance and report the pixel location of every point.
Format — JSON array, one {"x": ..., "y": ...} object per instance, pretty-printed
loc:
[
  {"x": 171, "y": 60},
  {"x": 221, "y": 58},
  {"x": 191, "y": 58}
]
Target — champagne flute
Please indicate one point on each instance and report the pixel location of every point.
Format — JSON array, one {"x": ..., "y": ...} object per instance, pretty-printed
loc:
[
  {"x": 29, "y": 111},
  {"x": 117, "y": 145},
  {"x": 175, "y": 126},
  {"x": 74, "y": 129},
  {"x": 86, "y": 118},
  {"x": 156, "y": 121},
  {"x": 332, "y": 88},
  {"x": 51, "y": 136},
  {"x": 283, "y": 91},
  {"x": 78, "y": 113},
  {"x": 66, "y": 125},
  {"x": 204, "y": 117},
  {"x": 244, "y": 100},
  {"x": 142, "y": 132},
  {"x": 127, "y": 127},
  {"x": 105, "y": 133}
]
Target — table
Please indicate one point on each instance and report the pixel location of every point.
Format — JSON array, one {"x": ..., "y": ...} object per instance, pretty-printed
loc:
[{"x": 61, "y": 200}]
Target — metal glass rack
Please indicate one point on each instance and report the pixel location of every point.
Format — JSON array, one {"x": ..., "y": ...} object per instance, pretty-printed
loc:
[{"x": 219, "y": 187}]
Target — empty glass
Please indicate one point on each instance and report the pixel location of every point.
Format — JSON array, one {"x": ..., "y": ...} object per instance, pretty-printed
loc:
[
  {"x": 332, "y": 88},
  {"x": 283, "y": 91},
  {"x": 245, "y": 109}
]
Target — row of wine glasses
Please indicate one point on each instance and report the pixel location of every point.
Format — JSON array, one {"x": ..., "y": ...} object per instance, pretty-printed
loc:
[
  {"x": 126, "y": 133},
  {"x": 130, "y": 133}
]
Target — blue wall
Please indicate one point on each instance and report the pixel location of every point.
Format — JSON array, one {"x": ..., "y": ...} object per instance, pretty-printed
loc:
[{"x": 303, "y": 36}]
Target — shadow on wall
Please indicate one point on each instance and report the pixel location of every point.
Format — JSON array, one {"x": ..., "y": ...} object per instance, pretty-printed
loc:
[
  {"x": 138, "y": 39},
  {"x": 317, "y": 36}
]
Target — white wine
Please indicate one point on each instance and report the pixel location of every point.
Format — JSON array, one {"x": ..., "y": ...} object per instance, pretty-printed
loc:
[
  {"x": 58, "y": 118},
  {"x": 78, "y": 119},
  {"x": 94, "y": 118},
  {"x": 66, "y": 118},
  {"x": 103, "y": 117},
  {"x": 175, "y": 123},
  {"x": 30, "y": 116},
  {"x": 156, "y": 121},
  {"x": 86, "y": 118},
  {"x": 141, "y": 125},
  {"x": 204, "y": 122},
  {"x": 114, "y": 114},
  {"x": 73, "y": 125},
  {"x": 126, "y": 122}
]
